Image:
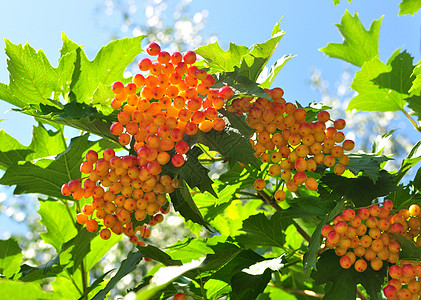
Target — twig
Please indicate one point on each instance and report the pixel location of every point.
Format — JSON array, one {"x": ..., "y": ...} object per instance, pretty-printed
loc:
[{"x": 272, "y": 202}]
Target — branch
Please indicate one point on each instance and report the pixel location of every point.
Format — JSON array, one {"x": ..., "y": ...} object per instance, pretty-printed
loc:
[
  {"x": 360, "y": 294},
  {"x": 272, "y": 202}
]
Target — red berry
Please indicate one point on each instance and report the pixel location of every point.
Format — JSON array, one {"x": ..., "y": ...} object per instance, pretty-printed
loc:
[
  {"x": 189, "y": 57},
  {"x": 153, "y": 49}
]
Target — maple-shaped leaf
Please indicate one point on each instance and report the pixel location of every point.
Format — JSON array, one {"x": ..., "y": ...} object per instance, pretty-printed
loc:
[{"x": 359, "y": 45}]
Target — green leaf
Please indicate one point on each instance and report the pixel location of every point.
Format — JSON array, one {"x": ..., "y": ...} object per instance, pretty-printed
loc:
[
  {"x": 60, "y": 224},
  {"x": 10, "y": 257},
  {"x": 184, "y": 204},
  {"x": 102, "y": 99},
  {"x": 50, "y": 269},
  {"x": 127, "y": 266},
  {"x": 371, "y": 96},
  {"x": 247, "y": 286},
  {"x": 11, "y": 151},
  {"x": 24, "y": 290},
  {"x": 360, "y": 190},
  {"x": 163, "y": 277},
  {"x": 78, "y": 247},
  {"x": 99, "y": 248},
  {"x": 409, "y": 250},
  {"x": 310, "y": 257},
  {"x": 274, "y": 70},
  {"x": 416, "y": 84},
  {"x": 307, "y": 206},
  {"x": 32, "y": 78},
  {"x": 261, "y": 231},
  {"x": 159, "y": 255},
  {"x": 232, "y": 143},
  {"x": 344, "y": 281},
  {"x": 367, "y": 163},
  {"x": 222, "y": 61},
  {"x": 95, "y": 284},
  {"x": 51, "y": 173},
  {"x": 413, "y": 157},
  {"x": 409, "y": 7},
  {"x": 220, "y": 282},
  {"x": 240, "y": 84},
  {"x": 260, "y": 54},
  {"x": 107, "y": 67},
  {"x": 188, "y": 249},
  {"x": 195, "y": 174},
  {"x": 247, "y": 62},
  {"x": 359, "y": 45},
  {"x": 400, "y": 77},
  {"x": 78, "y": 115}
]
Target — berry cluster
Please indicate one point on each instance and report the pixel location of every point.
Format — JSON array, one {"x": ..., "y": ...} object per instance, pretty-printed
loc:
[
  {"x": 405, "y": 276},
  {"x": 289, "y": 143},
  {"x": 121, "y": 189},
  {"x": 156, "y": 111},
  {"x": 169, "y": 104},
  {"x": 366, "y": 237},
  {"x": 405, "y": 281},
  {"x": 363, "y": 235}
]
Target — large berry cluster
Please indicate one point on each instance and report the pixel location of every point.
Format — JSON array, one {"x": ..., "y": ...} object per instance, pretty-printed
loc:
[
  {"x": 366, "y": 237},
  {"x": 156, "y": 110},
  {"x": 292, "y": 145}
]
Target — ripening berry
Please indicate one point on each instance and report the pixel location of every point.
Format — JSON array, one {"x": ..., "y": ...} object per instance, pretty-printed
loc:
[
  {"x": 177, "y": 160},
  {"x": 65, "y": 190},
  {"x": 348, "y": 214},
  {"x": 348, "y": 145},
  {"x": 280, "y": 195},
  {"x": 180, "y": 296},
  {"x": 311, "y": 184},
  {"x": 345, "y": 262},
  {"x": 92, "y": 225},
  {"x": 105, "y": 234},
  {"x": 323, "y": 116},
  {"x": 339, "y": 124},
  {"x": 259, "y": 184},
  {"x": 117, "y": 87},
  {"x": 226, "y": 92},
  {"x": 81, "y": 218},
  {"x": 189, "y": 57},
  {"x": 414, "y": 210},
  {"x": 360, "y": 265},
  {"x": 153, "y": 49}
]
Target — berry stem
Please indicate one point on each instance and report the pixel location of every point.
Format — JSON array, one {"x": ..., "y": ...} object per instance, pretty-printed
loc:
[
  {"x": 411, "y": 120},
  {"x": 265, "y": 198}
]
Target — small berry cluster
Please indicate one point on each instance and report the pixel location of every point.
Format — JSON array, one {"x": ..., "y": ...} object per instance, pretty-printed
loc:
[
  {"x": 289, "y": 143},
  {"x": 405, "y": 276},
  {"x": 363, "y": 235},
  {"x": 404, "y": 282},
  {"x": 366, "y": 237},
  {"x": 121, "y": 188}
]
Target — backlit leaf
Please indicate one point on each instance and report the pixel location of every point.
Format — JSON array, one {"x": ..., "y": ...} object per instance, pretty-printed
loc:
[
  {"x": 409, "y": 7},
  {"x": 60, "y": 224},
  {"x": 10, "y": 257},
  {"x": 359, "y": 45}
]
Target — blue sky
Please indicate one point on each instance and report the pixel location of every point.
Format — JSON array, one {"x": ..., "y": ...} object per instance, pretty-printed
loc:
[{"x": 309, "y": 25}]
